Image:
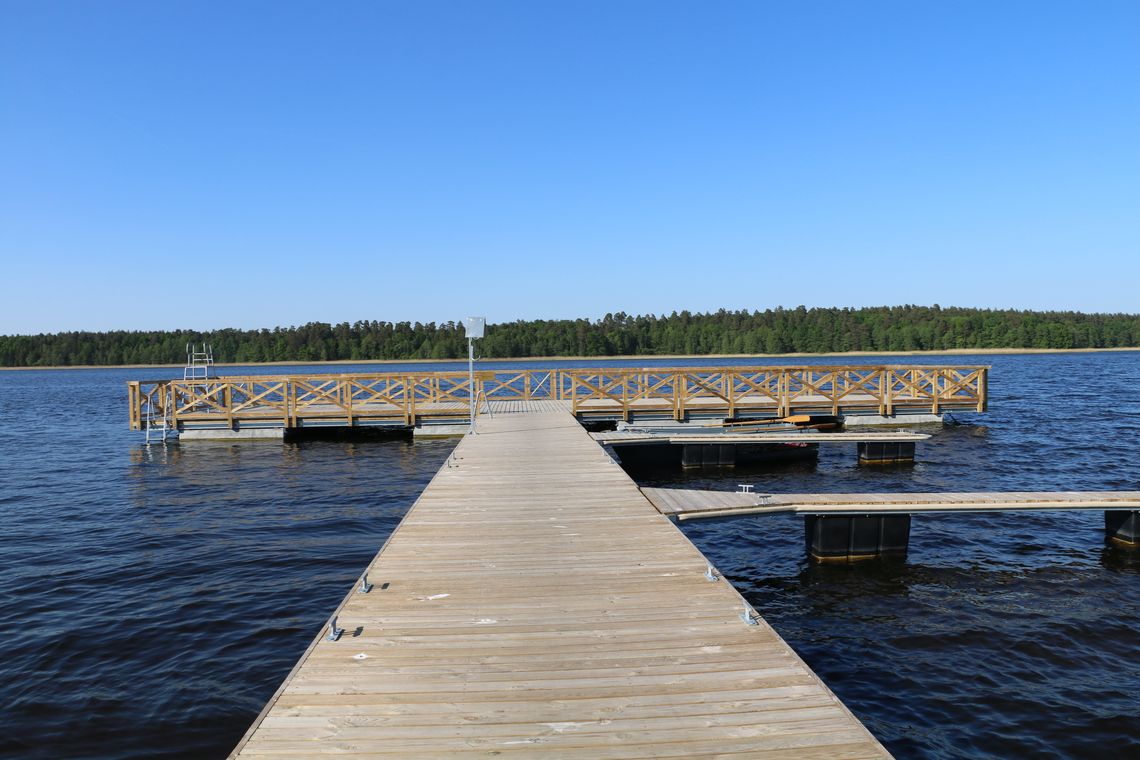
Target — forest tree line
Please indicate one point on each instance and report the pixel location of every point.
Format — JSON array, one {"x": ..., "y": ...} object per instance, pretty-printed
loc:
[{"x": 774, "y": 331}]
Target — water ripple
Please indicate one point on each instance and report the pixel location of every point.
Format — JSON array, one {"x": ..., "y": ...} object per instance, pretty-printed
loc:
[{"x": 155, "y": 597}]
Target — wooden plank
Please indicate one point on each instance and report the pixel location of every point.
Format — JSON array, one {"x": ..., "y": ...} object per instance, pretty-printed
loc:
[
  {"x": 537, "y": 604},
  {"x": 690, "y": 504},
  {"x": 620, "y": 438}
]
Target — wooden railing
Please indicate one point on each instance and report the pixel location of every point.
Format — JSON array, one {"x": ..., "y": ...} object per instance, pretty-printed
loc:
[{"x": 402, "y": 398}]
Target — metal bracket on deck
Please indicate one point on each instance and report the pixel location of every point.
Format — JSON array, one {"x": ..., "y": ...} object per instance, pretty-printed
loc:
[
  {"x": 745, "y": 488},
  {"x": 334, "y": 632},
  {"x": 365, "y": 586},
  {"x": 711, "y": 574},
  {"x": 748, "y": 615}
]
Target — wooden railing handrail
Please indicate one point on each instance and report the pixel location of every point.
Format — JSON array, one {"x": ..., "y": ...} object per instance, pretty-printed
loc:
[
  {"x": 679, "y": 389},
  {"x": 576, "y": 370}
]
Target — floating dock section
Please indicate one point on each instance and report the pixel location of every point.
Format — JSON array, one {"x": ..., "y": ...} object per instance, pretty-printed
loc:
[
  {"x": 696, "y": 448},
  {"x": 534, "y": 603},
  {"x": 274, "y": 405},
  {"x": 845, "y": 527}
]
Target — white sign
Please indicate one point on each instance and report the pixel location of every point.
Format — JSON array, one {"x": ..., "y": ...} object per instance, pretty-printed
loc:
[{"x": 474, "y": 327}]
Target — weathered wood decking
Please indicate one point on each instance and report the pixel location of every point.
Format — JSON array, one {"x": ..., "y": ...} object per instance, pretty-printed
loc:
[
  {"x": 691, "y": 504},
  {"x": 534, "y": 603},
  {"x": 625, "y": 438}
]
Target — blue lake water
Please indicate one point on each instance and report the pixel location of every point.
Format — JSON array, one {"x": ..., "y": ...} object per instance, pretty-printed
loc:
[{"x": 153, "y": 598}]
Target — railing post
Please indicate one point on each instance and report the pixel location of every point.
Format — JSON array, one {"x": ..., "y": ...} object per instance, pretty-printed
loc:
[
  {"x": 935, "y": 389},
  {"x": 227, "y": 400},
  {"x": 786, "y": 392},
  {"x": 883, "y": 392},
  {"x": 285, "y": 403},
  {"x": 134, "y": 400},
  {"x": 346, "y": 394},
  {"x": 983, "y": 388},
  {"x": 625, "y": 396},
  {"x": 889, "y": 398},
  {"x": 680, "y": 390},
  {"x": 292, "y": 403},
  {"x": 730, "y": 392},
  {"x": 409, "y": 401},
  {"x": 835, "y": 392},
  {"x": 170, "y": 393}
]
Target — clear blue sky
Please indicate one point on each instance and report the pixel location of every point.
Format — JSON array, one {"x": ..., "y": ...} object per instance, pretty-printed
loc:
[{"x": 192, "y": 164}]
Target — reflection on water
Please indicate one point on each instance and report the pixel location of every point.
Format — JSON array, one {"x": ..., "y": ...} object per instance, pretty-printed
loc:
[
  {"x": 1120, "y": 559},
  {"x": 154, "y": 597}
]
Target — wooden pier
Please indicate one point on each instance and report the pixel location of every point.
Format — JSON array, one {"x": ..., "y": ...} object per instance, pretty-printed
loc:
[
  {"x": 695, "y": 504},
  {"x": 534, "y": 603},
  {"x": 853, "y": 527},
  {"x": 628, "y": 438},
  {"x": 412, "y": 399}
]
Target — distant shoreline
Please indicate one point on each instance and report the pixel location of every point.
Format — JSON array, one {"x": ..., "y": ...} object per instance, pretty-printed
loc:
[{"x": 381, "y": 362}]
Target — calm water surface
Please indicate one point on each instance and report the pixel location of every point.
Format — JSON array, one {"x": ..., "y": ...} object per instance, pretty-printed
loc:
[{"x": 153, "y": 598}]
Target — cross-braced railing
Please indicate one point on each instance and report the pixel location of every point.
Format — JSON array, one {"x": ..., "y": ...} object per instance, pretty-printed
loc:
[{"x": 291, "y": 401}]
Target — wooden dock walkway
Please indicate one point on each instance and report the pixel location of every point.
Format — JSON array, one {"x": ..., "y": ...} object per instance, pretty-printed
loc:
[
  {"x": 692, "y": 504},
  {"x": 534, "y": 603},
  {"x": 628, "y": 438}
]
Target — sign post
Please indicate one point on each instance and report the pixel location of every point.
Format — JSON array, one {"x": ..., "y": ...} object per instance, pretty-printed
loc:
[{"x": 474, "y": 327}]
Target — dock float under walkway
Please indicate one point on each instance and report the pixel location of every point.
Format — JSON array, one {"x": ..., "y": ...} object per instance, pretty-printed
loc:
[{"x": 534, "y": 603}]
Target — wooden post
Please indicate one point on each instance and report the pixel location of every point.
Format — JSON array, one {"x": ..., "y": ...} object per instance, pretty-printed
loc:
[
  {"x": 292, "y": 405},
  {"x": 227, "y": 400},
  {"x": 409, "y": 401},
  {"x": 983, "y": 388},
  {"x": 786, "y": 392},
  {"x": 172, "y": 389},
  {"x": 883, "y": 393},
  {"x": 346, "y": 394},
  {"x": 889, "y": 397},
  {"x": 679, "y": 392},
  {"x": 135, "y": 401},
  {"x": 730, "y": 392},
  {"x": 625, "y": 396},
  {"x": 835, "y": 393}
]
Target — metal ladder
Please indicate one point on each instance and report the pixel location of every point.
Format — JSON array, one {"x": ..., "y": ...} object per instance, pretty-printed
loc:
[
  {"x": 156, "y": 426},
  {"x": 199, "y": 366},
  {"x": 199, "y": 363}
]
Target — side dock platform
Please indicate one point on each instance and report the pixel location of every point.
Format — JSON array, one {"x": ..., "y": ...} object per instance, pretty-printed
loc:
[
  {"x": 277, "y": 405},
  {"x": 533, "y": 602}
]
